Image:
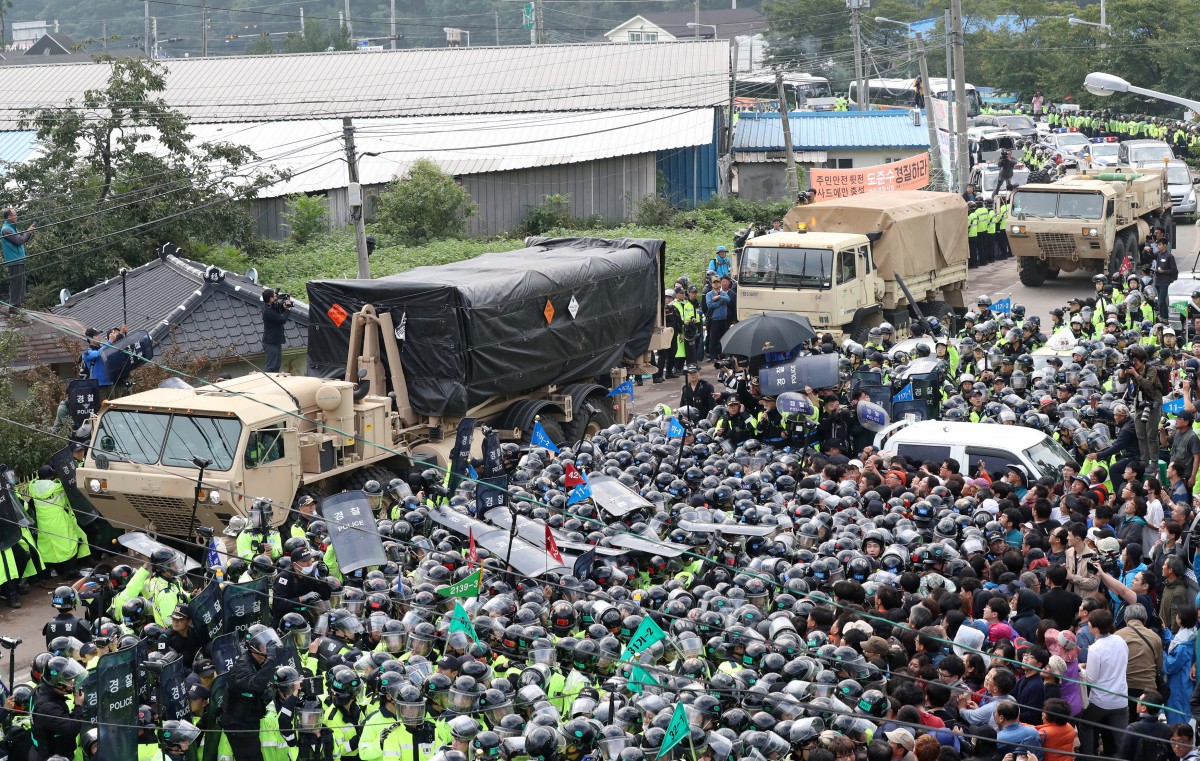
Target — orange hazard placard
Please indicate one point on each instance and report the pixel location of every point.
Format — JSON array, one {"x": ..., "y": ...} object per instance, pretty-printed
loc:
[
  {"x": 549, "y": 312},
  {"x": 338, "y": 314},
  {"x": 908, "y": 174}
]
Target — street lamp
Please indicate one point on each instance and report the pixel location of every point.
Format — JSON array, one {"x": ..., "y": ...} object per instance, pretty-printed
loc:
[
  {"x": 454, "y": 35},
  {"x": 1104, "y": 85},
  {"x": 694, "y": 25},
  {"x": 1073, "y": 21}
]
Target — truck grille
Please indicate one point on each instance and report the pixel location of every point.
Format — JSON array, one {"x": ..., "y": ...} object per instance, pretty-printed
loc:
[
  {"x": 169, "y": 515},
  {"x": 1056, "y": 244}
]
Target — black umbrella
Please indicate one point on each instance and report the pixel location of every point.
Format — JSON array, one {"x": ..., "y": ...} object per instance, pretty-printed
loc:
[{"x": 766, "y": 333}]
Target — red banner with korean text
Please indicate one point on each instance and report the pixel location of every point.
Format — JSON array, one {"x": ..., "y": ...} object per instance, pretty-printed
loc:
[{"x": 906, "y": 174}]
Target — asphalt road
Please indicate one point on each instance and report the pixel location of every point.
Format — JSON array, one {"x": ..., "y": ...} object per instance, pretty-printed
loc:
[{"x": 997, "y": 280}]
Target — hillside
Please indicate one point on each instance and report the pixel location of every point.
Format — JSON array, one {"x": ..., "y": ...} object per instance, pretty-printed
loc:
[{"x": 419, "y": 21}]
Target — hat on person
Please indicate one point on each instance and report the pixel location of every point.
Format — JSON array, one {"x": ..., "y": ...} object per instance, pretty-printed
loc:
[
  {"x": 989, "y": 505},
  {"x": 967, "y": 640},
  {"x": 1062, "y": 643},
  {"x": 999, "y": 632},
  {"x": 901, "y": 737},
  {"x": 856, "y": 464},
  {"x": 198, "y": 692},
  {"x": 722, "y": 248},
  {"x": 1056, "y": 665},
  {"x": 876, "y": 645},
  {"x": 301, "y": 554},
  {"x": 1109, "y": 545},
  {"x": 1186, "y": 417},
  {"x": 900, "y": 474},
  {"x": 204, "y": 666},
  {"x": 76, "y": 446},
  {"x": 450, "y": 662},
  {"x": 182, "y": 612}
]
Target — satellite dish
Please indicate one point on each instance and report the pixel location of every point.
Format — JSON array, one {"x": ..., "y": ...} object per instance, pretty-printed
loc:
[
  {"x": 63, "y": 297},
  {"x": 252, "y": 275}
]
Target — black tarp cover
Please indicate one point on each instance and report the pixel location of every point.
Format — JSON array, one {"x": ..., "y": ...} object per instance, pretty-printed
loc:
[{"x": 478, "y": 328}]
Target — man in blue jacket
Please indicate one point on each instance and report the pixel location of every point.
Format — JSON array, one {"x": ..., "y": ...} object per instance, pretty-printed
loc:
[
  {"x": 719, "y": 305},
  {"x": 721, "y": 264},
  {"x": 14, "y": 255}
]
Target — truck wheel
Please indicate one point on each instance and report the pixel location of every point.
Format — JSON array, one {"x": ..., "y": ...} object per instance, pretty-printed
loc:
[
  {"x": 583, "y": 426},
  {"x": 860, "y": 334},
  {"x": 1052, "y": 273},
  {"x": 1033, "y": 272},
  {"x": 1119, "y": 252},
  {"x": 1168, "y": 223},
  {"x": 358, "y": 479}
]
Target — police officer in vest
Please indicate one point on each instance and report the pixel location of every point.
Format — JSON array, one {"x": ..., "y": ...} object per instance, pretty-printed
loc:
[
  {"x": 248, "y": 691},
  {"x": 66, "y": 623},
  {"x": 344, "y": 630}
]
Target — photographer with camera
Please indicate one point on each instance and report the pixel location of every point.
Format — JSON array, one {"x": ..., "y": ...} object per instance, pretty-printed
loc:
[
  {"x": 1125, "y": 444},
  {"x": 1144, "y": 393},
  {"x": 276, "y": 312},
  {"x": 249, "y": 690}
]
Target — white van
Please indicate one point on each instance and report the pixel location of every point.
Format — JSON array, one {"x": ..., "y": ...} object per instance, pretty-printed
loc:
[{"x": 997, "y": 446}]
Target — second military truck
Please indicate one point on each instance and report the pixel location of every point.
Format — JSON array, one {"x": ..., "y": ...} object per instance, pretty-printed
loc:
[
  {"x": 1090, "y": 221},
  {"x": 852, "y": 264}
]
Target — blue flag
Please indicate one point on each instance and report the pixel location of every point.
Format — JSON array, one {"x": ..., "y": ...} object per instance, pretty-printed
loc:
[
  {"x": 624, "y": 388},
  {"x": 471, "y": 472},
  {"x": 675, "y": 431},
  {"x": 1173, "y": 407},
  {"x": 579, "y": 494},
  {"x": 212, "y": 558},
  {"x": 905, "y": 395},
  {"x": 1003, "y": 306},
  {"x": 540, "y": 439}
]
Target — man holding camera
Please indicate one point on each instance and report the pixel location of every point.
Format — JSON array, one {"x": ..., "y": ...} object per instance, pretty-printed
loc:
[
  {"x": 276, "y": 312},
  {"x": 1146, "y": 392}
]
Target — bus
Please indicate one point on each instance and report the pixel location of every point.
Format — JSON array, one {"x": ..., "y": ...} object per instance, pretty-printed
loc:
[
  {"x": 902, "y": 93},
  {"x": 805, "y": 92}
]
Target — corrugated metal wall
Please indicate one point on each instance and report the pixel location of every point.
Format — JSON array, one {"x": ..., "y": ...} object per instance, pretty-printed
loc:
[
  {"x": 690, "y": 174},
  {"x": 607, "y": 187}
]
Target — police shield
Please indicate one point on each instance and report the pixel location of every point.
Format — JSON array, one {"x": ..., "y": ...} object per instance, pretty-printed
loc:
[
  {"x": 116, "y": 708},
  {"x": 126, "y": 355},
  {"x": 206, "y": 610},
  {"x": 288, "y": 654},
  {"x": 614, "y": 497},
  {"x": 64, "y": 469},
  {"x": 794, "y": 403},
  {"x": 245, "y": 604},
  {"x": 871, "y": 416},
  {"x": 91, "y": 697},
  {"x": 83, "y": 400},
  {"x": 225, "y": 650},
  {"x": 12, "y": 518},
  {"x": 172, "y": 691},
  {"x": 918, "y": 409},
  {"x": 817, "y": 371},
  {"x": 352, "y": 531}
]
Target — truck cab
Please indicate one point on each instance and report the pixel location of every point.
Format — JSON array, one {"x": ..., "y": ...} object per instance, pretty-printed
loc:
[{"x": 829, "y": 277}]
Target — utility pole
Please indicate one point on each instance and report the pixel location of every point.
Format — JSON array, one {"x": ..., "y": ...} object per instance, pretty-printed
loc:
[
  {"x": 696, "y": 27},
  {"x": 960, "y": 92},
  {"x": 204, "y": 29},
  {"x": 951, "y": 118},
  {"x": 104, "y": 34},
  {"x": 154, "y": 34},
  {"x": 862, "y": 95},
  {"x": 497, "y": 28},
  {"x": 349, "y": 25},
  {"x": 302, "y": 19},
  {"x": 934, "y": 150},
  {"x": 793, "y": 181},
  {"x": 539, "y": 23},
  {"x": 146, "y": 31},
  {"x": 393, "y": 17},
  {"x": 355, "y": 197},
  {"x": 732, "y": 98}
]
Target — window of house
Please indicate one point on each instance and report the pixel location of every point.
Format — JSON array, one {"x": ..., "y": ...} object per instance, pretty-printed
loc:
[
  {"x": 839, "y": 164},
  {"x": 643, "y": 36}
]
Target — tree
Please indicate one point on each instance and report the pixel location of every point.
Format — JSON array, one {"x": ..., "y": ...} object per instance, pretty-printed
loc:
[
  {"x": 25, "y": 433},
  {"x": 424, "y": 204},
  {"x": 316, "y": 39},
  {"x": 119, "y": 174}
]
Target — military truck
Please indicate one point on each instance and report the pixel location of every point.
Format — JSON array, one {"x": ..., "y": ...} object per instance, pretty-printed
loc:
[
  {"x": 534, "y": 335},
  {"x": 1089, "y": 221},
  {"x": 851, "y": 264}
]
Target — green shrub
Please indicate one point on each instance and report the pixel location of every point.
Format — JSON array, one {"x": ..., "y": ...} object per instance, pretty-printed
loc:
[
  {"x": 654, "y": 211},
  {"x": 424, "y": 204},
  {"x": 306, "y": 217},
  {"x": 747, "y": 212},
  {"x": 223, "y": 255},
  {"x": 554, "y": 211},
  {"x": 706, "y": 220}
]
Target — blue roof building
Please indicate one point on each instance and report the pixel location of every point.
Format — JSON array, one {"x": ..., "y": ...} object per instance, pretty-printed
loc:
[{"x": 828, "y": 139}]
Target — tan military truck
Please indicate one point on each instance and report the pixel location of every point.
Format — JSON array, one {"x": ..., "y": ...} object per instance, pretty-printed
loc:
[
  {"x": 851, "y": 264},
  {"x": 1089, "y": 221},
  {"x": 538, "y": 334}
]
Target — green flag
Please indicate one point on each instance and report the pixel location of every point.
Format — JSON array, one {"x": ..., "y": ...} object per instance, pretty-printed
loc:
[
  {"x": 677, "y": 730},
  {"x": 468, "y": 587},
  {"x": 646, "y": 635},
  {"x": 639, "y": 678},
  {"x": 460, "y": 622},
  {"x": 1180, "y": 306}
]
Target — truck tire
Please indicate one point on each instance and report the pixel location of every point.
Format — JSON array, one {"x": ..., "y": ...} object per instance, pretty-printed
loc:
[
  {"x": 582, "y": 427},
  {"x": 1168, "y": 223},
  {"x": 1120, "y": 251},
  {"x": 860, "y": 334},
  {"x": 358, "y": 479},
  {"x": 1032, "y": 271},
  {"x": 1052, "y": 273}
]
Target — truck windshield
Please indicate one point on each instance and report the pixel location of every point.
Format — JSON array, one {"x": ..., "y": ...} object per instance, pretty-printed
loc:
[
  {"x": 786, "y": 267},
  {"x": 1046, "y": 204},
  {"x": 173, "y": 440}
]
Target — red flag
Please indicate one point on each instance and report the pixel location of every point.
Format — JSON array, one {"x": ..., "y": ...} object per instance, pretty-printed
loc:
[
  {"x": 552, "y": 547},
  {"x": 571, "y": 477},
  {"x": 472, "y": 553}
]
